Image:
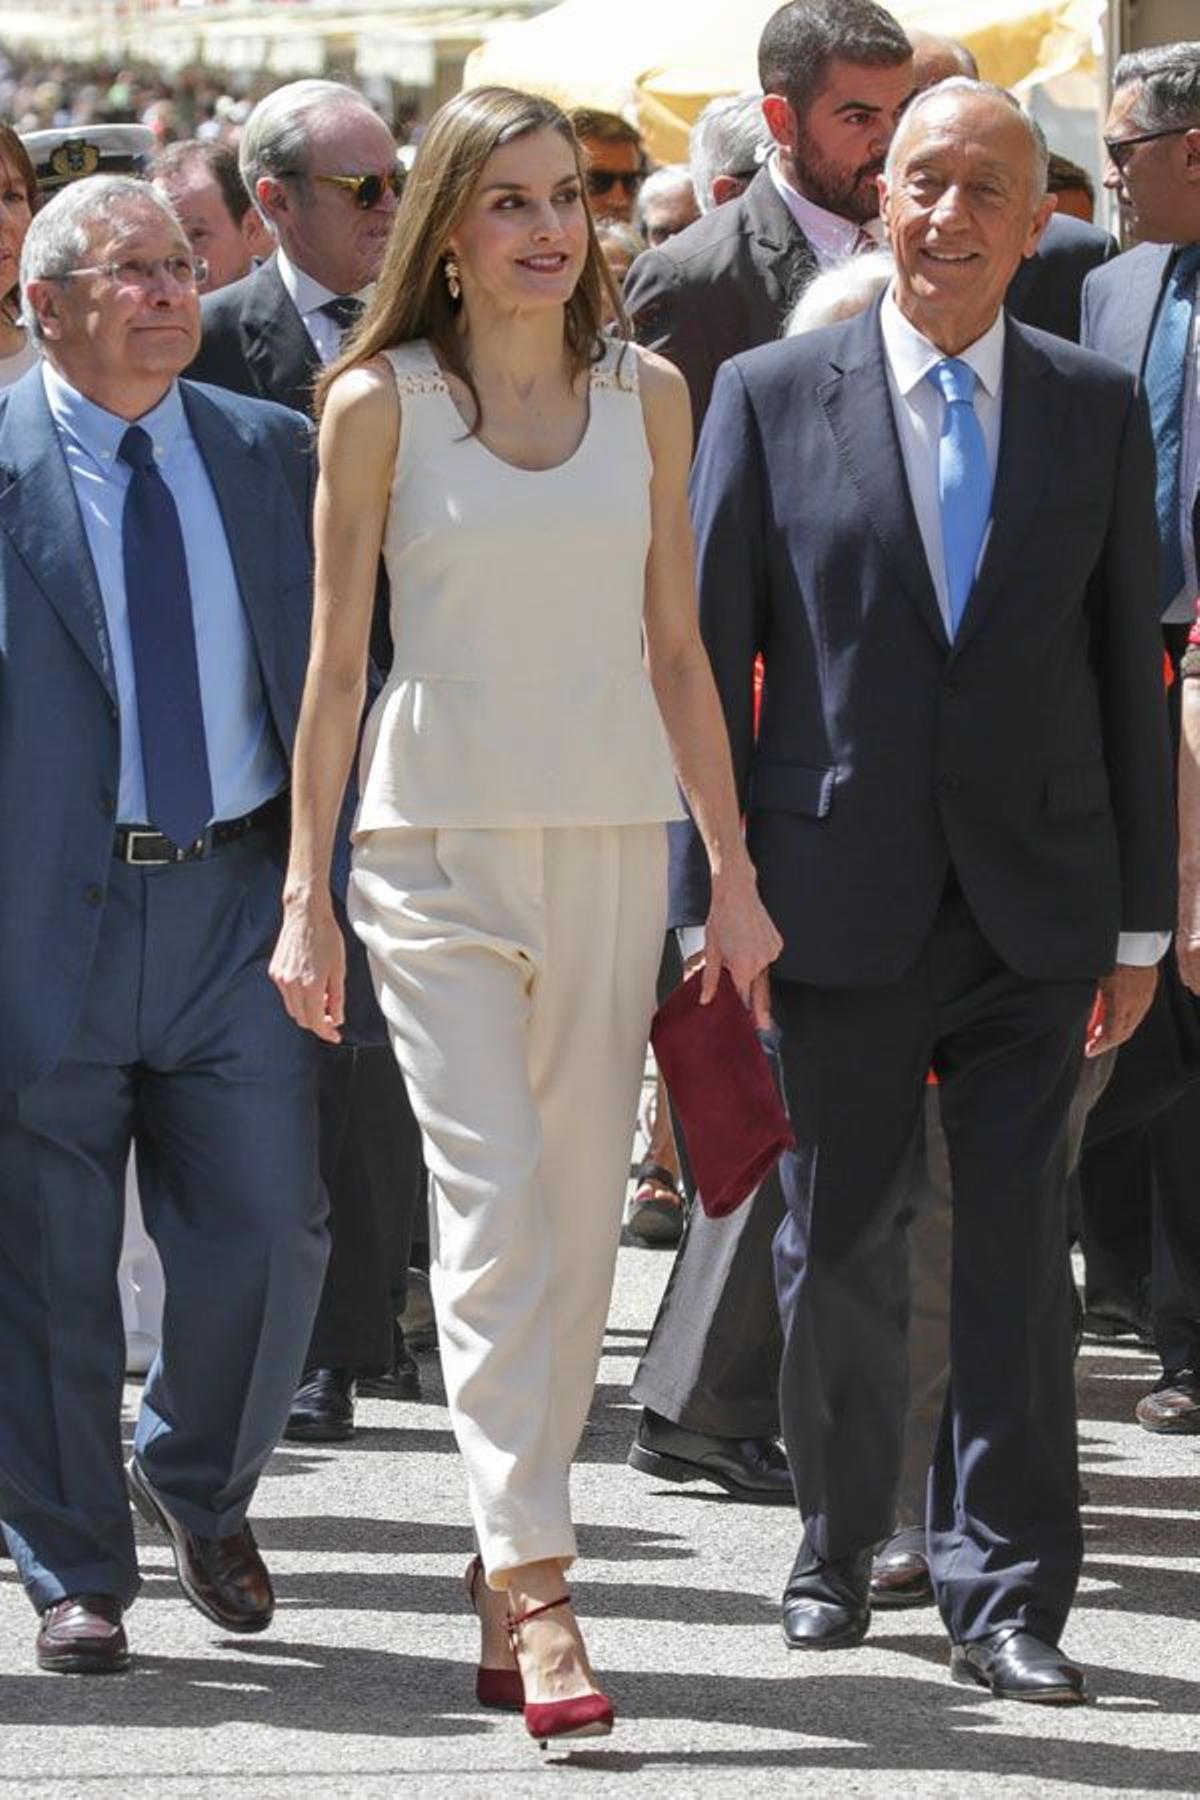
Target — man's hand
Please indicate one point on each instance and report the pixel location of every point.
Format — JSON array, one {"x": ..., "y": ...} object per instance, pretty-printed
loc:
[
  {"x": 1122, "y": 1002},
  {"x": 1187, "y": 940}
]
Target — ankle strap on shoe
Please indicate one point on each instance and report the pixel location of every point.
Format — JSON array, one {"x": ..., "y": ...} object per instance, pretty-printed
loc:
[{"x": 536, "y": 1612}]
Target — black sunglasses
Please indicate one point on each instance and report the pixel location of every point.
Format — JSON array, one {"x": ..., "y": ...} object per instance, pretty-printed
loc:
[
  {"x": 603, "y": 181},
  {"x": 1119, "y": 149},
  {"x": 368, "y": 190}
]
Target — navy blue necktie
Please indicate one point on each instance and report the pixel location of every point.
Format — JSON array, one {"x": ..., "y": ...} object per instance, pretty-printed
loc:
[
  {"x": 964, "y": 481},
  {"x": 174, "y": 752},
  {"x": 346, "y": 310},
  {"x": 1164, "y": 378}
]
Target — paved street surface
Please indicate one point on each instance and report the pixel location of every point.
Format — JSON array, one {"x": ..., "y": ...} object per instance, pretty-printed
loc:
[{"x": 364, "y": 1685}]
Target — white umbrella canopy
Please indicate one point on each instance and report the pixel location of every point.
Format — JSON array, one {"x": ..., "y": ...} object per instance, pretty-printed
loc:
[{"x": 659, "y": 62}]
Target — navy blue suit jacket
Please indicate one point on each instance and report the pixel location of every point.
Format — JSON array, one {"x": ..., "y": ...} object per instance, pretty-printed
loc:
[
  {"x": 59, "y": 721},
  {"x": 1031, "y": 753},
  {"x": 1120, "y": 304}
]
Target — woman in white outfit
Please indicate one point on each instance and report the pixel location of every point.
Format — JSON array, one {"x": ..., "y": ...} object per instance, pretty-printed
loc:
[{"x": 525, "y": 478}]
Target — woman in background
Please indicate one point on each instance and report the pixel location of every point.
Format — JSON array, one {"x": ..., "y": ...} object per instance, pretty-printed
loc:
[{"x": 18, "y": 203}]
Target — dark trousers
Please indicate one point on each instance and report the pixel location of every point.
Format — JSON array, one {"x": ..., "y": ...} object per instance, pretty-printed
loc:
[
  {"x": 372, "y": 1167},
  {"x": 184, "y": 1049},
  {"x": 1004, "y": 1535}
]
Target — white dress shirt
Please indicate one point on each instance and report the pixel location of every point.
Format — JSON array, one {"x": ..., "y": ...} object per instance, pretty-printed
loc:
[
  {"x": 918, "y": 406},
  {"x": 308, "y": 296},
  {"x": 831, "y": 236}
]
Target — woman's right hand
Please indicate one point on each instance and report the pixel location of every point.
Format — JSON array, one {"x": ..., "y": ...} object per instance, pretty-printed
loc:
[{"x": 309, "y": 967}]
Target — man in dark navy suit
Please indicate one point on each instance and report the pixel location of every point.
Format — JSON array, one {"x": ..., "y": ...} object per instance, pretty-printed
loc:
[
  {"x": 937, "y": 526},
  {"x": 1144, "y": 312},
  {"x": 155, "y": 587}
]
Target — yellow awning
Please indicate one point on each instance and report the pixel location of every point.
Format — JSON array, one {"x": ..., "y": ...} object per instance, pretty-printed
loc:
[{"x": 660, "y": 61}]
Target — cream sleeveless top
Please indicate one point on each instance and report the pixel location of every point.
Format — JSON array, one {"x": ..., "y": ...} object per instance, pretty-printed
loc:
[{"x": 518, "y": 695}]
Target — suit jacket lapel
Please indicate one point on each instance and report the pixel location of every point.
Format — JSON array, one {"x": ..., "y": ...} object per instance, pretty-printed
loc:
[
  {"x": 1135, "y": 316},
  {"x": 246, "y": 499},
  {"x": 40, "y": 513},
  {"x": 1029, "y": 422},
  {"x": 277, "y": 345},
  {"x": 858, "y": 404},
  {"x": 783, "y": 255}
]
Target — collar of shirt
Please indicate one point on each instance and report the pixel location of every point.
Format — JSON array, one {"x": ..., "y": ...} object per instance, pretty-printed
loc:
[
  {"x": 98, "y": 432},
  {"x": 830, "y": 235},
  {"x": 307, "y": 294},
  {"x": 911, "y": 356}
]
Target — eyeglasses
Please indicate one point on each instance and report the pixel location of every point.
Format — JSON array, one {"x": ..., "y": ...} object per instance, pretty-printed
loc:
[
  {"x": 143, "y": 272},
  {"x": 603, "y": 181},
  {"x": 1120, "y": 149},
  {"x": 368, "y": 190}
]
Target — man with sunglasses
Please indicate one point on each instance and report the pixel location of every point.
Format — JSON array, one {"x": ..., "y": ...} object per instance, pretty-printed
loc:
[
  {"x": 321, "y": 167},
  {"x": 1144, "y": 311},
  {"x": 616, "y": 163}
]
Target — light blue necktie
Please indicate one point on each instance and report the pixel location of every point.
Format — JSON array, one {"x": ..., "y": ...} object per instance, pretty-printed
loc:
[
  {"x": 1164, "y": 376},
  {"x": 964, "y": 481}
]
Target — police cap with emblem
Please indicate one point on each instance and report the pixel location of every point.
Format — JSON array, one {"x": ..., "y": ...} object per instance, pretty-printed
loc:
[{"x": 65, "y": 155}]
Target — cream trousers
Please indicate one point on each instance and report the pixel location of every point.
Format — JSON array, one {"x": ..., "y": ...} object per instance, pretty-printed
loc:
[{"x": 516, "y": 970}]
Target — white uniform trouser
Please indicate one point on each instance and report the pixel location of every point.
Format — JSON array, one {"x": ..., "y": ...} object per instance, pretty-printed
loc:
[{"x": 516, "y": 970}]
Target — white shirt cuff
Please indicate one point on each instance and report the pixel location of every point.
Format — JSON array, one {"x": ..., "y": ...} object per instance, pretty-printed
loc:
[
  {"x": 690, "y": 939},
  {"x": 1142, "y": 949}
]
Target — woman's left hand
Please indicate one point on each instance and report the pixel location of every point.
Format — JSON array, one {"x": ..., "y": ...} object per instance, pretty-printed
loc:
[{"x": 740, "y": 936}]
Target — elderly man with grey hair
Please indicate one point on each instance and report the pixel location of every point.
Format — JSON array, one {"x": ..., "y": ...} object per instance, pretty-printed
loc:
[
  {"x": 667, "y": 203},
  {"x": 321, "y": 167},
  {"x": 726, "y": 147},
  {"x": 914, "y": 516},
  {"x": 155, "y": 584}
]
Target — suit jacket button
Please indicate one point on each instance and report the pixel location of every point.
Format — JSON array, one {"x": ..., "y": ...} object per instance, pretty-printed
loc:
[
  {"x": 93, "y": 894},
  {"x": 948, "y": 783},
  {"x": 104, "y": 803}
]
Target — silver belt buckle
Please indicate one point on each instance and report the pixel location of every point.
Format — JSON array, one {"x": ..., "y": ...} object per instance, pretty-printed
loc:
[{"x": 144, "y": 862}]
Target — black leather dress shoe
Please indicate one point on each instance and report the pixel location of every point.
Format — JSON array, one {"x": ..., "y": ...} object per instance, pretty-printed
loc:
[
  {"x": 224, "y": 1578},
  {"x": 827, "y": 1605},
  {"x": 83, "y": 1635},
  {"x": 1015, "y": 1665},
  {"x": 900, "y": 1577},
  {"x": 1174, "y": 1405},
  {"x": 401, "y": 1382},
  {"x": 748, "y": 1468},
  {"x": 323, "y": 1410}
]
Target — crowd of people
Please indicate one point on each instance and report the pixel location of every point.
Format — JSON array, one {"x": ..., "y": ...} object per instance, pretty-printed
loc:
[{"x": 441, "y": 607}]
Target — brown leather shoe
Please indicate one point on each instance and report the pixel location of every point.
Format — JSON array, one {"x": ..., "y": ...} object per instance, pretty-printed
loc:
[
  {"x": 900, "y": 1578},
  {"x": 1172, "y": 1406},
  {"x": 224, "y": 1578},
  {"x": 83, "y": 1635}
]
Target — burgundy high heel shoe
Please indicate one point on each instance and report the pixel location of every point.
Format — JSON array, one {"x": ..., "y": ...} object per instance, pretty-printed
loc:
[
  {"x": 583, "y": 1715},
  {"x": 500, "y": 1689}
]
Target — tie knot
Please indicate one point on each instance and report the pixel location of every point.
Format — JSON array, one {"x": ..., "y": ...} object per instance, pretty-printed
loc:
[
  {"x": 137, "y": 448},
  {"x": 345, "y": 310},
  {"x": 955, "y": 380}
]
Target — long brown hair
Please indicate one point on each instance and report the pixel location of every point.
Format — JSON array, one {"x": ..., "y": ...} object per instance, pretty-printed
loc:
[
  {"x": 411, "y": 299},
  {"x": 15, "y": 158}
]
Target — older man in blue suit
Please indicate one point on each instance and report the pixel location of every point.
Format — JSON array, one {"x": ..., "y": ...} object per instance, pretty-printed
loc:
[
  {"x": 937, "y": 526},
  {"x": 155, "y": 586}
]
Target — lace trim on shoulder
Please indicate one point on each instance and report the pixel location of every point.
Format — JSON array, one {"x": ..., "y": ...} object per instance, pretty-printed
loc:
[
  {"x": 618, "y": 372},
  {"x": 416, "y": 371}
]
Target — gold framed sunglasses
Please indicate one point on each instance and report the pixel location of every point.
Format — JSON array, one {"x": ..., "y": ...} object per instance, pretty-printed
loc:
[{"x": 368, "y": 190}]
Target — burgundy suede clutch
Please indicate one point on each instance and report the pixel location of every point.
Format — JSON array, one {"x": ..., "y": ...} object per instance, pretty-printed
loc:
[{"x": 723, "y": 1092}]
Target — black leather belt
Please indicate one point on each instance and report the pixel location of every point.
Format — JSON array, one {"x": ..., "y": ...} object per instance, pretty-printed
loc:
[{"x": 138, "y": 844}]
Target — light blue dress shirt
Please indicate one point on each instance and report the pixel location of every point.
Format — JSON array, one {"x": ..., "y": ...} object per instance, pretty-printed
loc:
[{"x": 245, "y": 762}]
